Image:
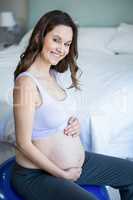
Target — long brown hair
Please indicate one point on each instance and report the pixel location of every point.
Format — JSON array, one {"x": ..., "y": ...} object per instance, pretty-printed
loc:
[{"x": 46, "y": 24}]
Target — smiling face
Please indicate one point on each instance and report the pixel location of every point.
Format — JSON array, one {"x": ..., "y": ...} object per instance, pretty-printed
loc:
[{"x": 57, "y": 44}]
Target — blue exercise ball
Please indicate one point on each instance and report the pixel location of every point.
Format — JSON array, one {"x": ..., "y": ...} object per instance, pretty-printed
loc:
[
  {"x": 7, "y": 192},
  {"x": 98, "y": 191}
]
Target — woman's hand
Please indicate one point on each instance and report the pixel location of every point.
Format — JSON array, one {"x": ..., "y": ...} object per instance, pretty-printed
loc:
[
  {"x": 73, "y": 128},
  {"x": 73, "y": 174}
]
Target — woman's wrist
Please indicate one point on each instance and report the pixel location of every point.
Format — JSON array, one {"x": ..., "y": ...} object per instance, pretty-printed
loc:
[
  {"x": 59, "y": 173},
  {"x": 63, "y": 174}
]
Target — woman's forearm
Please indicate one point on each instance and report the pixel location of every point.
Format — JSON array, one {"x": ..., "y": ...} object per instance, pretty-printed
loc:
[{"x": 40, "y": 160}]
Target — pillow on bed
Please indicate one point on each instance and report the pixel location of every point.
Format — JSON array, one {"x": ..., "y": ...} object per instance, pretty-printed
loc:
[
  {"x": 88, "y": 39},
  {"x": 122, "y": 41},
  {"x": 125, "y": 27},
  {"x": 24, "y": 41},
  {"x": 95, "y": 39}
]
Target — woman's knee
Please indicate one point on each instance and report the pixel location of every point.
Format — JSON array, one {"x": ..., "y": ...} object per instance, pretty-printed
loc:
[{"x": 71, "y": 190}]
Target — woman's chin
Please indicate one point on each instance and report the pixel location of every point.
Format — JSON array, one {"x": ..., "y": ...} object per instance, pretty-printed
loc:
[{"x": 55, "y": 62}]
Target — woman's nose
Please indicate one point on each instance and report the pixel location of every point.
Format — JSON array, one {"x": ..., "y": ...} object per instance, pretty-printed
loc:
[{"x": 60, "y": 48}]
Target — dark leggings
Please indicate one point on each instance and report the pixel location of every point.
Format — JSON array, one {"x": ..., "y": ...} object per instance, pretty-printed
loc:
[{"x": 98, "y": 169}]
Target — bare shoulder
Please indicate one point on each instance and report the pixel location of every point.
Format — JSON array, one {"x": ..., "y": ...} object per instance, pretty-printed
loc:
[
  {"x": 24, "y": 82},
  {"x": 24, "y": 90}
]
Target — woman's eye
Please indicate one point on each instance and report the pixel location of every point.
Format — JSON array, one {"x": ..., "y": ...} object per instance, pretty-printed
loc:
[
  {"x": 67, "y": 45},
  {"x": 55, "y": 40}
]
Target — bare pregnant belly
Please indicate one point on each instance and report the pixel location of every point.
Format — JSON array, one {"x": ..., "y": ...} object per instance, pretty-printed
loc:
[{"x": 65, "y": 151}]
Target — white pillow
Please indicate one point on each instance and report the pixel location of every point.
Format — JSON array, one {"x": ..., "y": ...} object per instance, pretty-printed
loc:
[
  {"x": 122, "y": 41},
  {"x": 124, "y": 27},
  {"x": 95, "y": 38},
  {"x": 24, "y": 41},
  {"x": 88, "y": 39}
]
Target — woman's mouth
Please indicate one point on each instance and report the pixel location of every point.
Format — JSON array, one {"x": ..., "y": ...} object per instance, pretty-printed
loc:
[{"x": 57, "y": 55}]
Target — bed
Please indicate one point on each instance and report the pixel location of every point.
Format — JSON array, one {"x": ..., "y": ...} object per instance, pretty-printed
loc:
[{"x": 105, "y": 99}]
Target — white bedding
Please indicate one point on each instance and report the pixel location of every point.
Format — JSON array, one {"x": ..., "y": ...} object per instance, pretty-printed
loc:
[
  {"x": 8, "y": 60},
  {"x": 104, "y": 72},
  {"x": 106, "y": 96},
  {"x": 110, "y": 97}
]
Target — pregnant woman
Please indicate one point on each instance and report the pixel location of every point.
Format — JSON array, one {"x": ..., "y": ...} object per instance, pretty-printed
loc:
[{"x": 50, "y": 159}]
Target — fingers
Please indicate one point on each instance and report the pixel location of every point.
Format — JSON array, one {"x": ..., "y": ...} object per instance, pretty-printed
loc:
[
  {"x": 73, "y": 127},
  {"x": 71, "y": 120},
  {"x": 79, "y": 171},
  {"x": 73, "y": 131},
  {"x": 75, "y": 134},
  {"x": 74, "y": 173}
]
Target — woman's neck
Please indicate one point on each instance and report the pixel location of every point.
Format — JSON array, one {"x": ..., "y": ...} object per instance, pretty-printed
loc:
[{"x": 40, "y": 68}]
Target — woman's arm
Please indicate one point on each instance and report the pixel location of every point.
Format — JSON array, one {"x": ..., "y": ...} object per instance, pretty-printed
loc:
[{"x": 24, "y": 100}]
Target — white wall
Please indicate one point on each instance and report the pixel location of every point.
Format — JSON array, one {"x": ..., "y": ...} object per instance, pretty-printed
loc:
[{"x": 86, "y": 12}]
